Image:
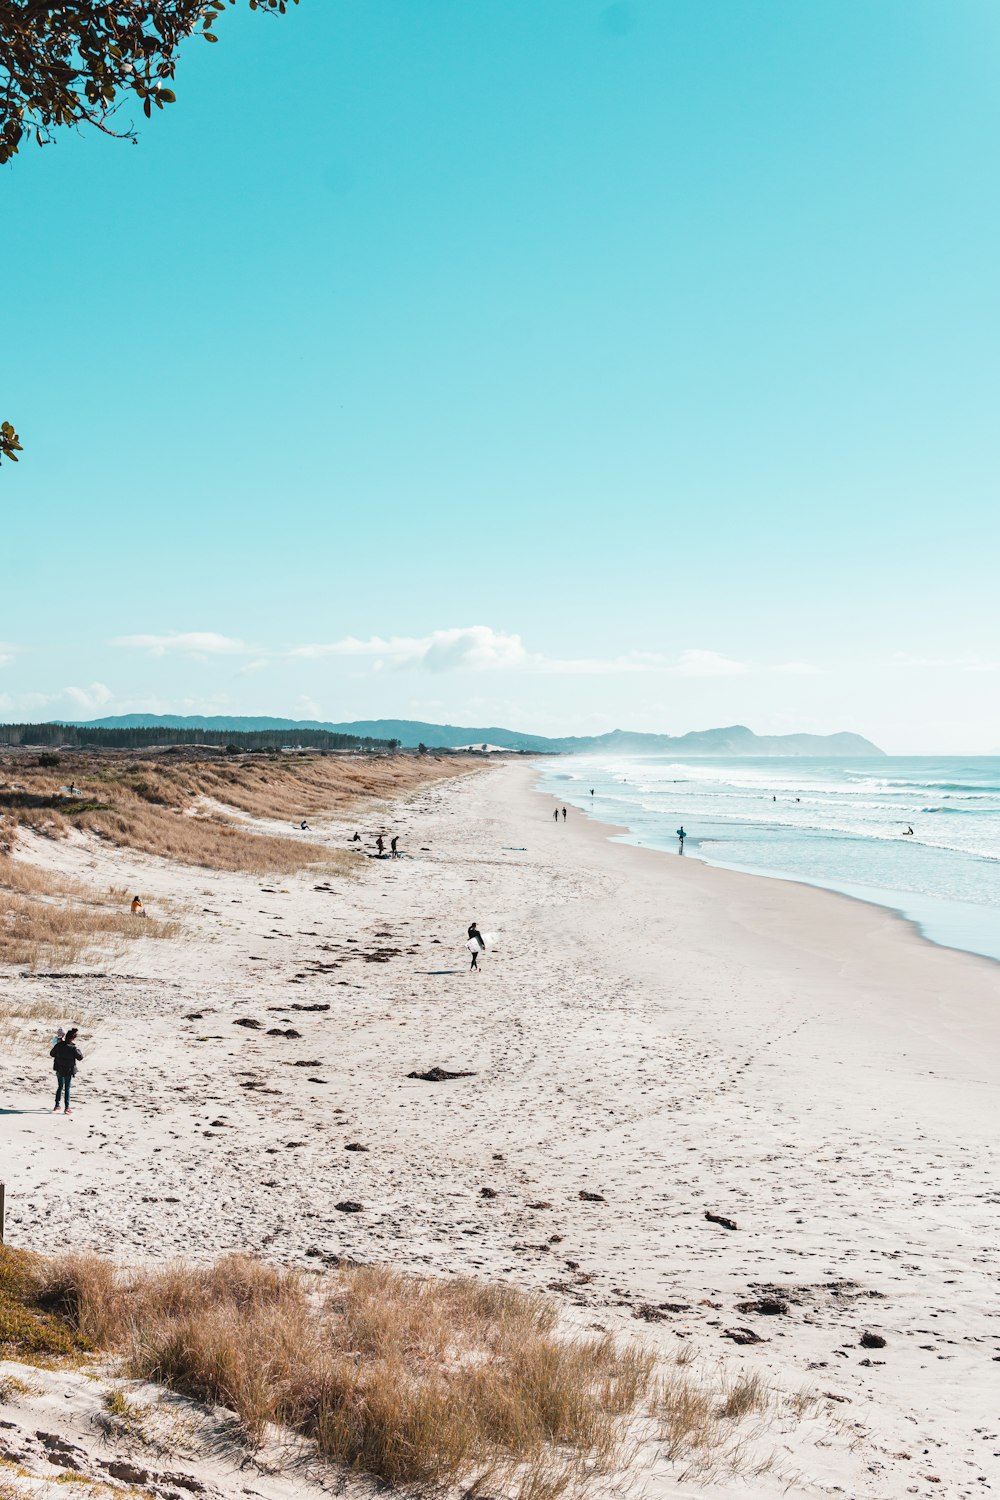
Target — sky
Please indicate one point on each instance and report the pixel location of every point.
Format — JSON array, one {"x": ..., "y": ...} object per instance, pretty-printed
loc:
[{"x": 544, "y": 363}]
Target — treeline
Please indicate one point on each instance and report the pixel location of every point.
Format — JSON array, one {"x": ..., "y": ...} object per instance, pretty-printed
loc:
[{"x": 87, "y": 737}]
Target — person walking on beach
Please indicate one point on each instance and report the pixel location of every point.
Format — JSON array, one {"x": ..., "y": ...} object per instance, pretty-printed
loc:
[
  {"x": 564, "y": 815},
  {"x": 65, "y": 1055},
  {"x": 681, "y": 836},
  {"x": 556, "y": 815},
  {"x": 392, "y": 845},
  {"x": 380, "y": 845},
  {"x": 475, "y": 945}
]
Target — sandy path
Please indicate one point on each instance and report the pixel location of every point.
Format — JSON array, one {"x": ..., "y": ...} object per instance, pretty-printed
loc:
[{"x": 672, "y": 1037}]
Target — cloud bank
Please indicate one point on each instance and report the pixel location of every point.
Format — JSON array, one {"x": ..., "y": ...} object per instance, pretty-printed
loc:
[{"x": 468, "y": 648}]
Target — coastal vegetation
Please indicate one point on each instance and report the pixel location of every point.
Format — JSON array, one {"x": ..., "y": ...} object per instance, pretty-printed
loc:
[
  {"x": 415, "y": 1381},
  {"x": 423, "y": 1383},
  {"x": 49, "y": 919},
  {"x": 195, "y": 809},
  {"x": 143, "y": 737}
]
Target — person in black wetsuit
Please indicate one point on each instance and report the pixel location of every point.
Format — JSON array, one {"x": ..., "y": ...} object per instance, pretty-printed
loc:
[
  {"x": 65, "y": 1055},
  {"x": 475, "y": 936}
]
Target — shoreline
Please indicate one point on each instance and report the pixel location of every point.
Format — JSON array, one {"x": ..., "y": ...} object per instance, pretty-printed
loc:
[
  {"x": 652, "y": 1041},
  {"x": 887, "y": 898}
]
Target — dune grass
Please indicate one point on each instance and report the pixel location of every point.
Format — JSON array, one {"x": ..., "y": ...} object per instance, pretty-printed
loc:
[
  {"x": 45, "y": 919},
  {"x": 181, "y": 808},
  {"x": 701, "y": 1422},
  {"x": 418, "y": 1382},
  {"x": 425, "y": 1384}
]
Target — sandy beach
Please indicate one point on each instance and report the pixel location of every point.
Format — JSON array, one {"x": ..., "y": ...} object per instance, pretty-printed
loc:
[{"x": 672, "y": 1039}]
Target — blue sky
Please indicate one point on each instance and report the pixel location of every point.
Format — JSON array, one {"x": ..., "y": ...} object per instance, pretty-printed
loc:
[{"x": 555, "y": 364}]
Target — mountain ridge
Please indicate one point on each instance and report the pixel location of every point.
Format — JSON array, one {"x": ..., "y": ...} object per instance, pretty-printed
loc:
[{"x": 734, "y": 739}]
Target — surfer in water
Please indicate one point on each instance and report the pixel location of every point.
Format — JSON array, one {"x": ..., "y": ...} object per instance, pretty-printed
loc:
[
  {"x": 908, "y": 832},
  {"x": 475, "y": 945}
]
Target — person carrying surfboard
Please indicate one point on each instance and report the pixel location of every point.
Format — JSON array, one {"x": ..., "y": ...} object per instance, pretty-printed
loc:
[{"x": 475, "y": 945}]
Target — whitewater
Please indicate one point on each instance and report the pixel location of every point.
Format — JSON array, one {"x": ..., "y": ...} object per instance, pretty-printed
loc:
[{"x": 837, "y": 823}]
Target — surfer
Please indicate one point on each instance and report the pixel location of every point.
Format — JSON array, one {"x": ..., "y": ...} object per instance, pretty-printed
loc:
[
  {"x": 681, "y": 836},
  {"x": 909, "y": 831},
  {"x": 475, "y": 945}
]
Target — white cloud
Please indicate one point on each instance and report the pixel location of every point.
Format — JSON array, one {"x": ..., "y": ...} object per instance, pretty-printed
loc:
[
  {"x": 88, "y": 700},
  {"x": 8, "y": 651},
  {"x": 707, "y": 664},
  {"x": 476, "y": 648},
  {"x": 468, "y": 648},
  {"x": 471, "y": 648},
  {"x": 192, "y": 642}
]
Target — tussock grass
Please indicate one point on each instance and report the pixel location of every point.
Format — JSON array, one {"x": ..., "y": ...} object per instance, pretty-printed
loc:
[
  {"x": 701, "y": 1423},
  {"x": 744, "y": 1395},
  {"x": 176, "y": 808},
  {"x": 424, "y": 1384},
  {"x": 44, "y": 919},
  {"x": 417, "y": 1382},
  {"x": 28, "y": 1328}
]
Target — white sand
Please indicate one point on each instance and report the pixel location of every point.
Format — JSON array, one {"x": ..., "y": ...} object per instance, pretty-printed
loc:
[{"x": 672, "y": 1037}]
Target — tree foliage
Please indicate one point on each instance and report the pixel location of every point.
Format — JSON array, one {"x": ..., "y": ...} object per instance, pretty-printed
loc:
[
  {"x": 10, "y": 445},
  {"x": 75, "y": 62},
  {"x": 139, "y": 737}
]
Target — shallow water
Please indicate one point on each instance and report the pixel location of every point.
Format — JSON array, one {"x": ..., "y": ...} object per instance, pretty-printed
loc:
[{"x": 840, "y": 824}]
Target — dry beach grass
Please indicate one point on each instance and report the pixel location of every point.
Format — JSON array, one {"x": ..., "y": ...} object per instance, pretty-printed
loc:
[
  {"x": 44, "y": 919},
  {"x": 415, "y": 1381},
  {"x": 182, "y": 808}
]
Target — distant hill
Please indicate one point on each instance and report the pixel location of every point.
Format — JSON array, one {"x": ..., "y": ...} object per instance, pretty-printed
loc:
[{"x": 734, "y": 740}]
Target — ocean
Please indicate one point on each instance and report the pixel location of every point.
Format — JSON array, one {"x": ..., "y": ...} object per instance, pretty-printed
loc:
[{"x": 837, "y": 823}]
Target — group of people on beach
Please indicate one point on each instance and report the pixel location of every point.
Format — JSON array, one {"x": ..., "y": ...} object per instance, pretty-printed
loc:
[{"x": 394, "y": 849}]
